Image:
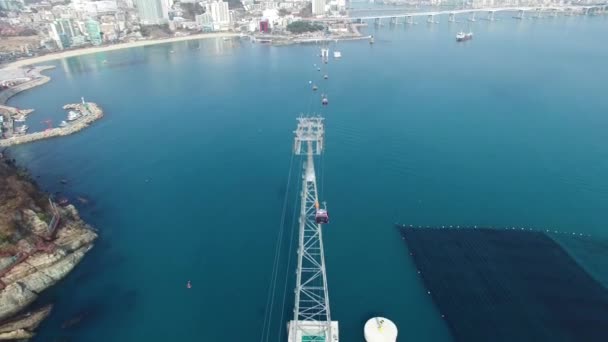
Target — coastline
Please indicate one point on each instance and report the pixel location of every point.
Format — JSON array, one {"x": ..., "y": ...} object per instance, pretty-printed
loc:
[
  {"x": 41, "y": 244},
  {"x": 91, "y": 50}
]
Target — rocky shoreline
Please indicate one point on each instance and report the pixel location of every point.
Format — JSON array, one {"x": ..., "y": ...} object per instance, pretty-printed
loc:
[{"x": 40, "y": 243}]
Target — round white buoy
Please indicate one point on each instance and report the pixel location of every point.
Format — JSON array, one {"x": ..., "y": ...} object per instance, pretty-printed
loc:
[{"x": 380, "y": 329}]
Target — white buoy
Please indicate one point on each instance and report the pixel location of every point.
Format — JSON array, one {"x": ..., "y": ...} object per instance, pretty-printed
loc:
[{"x": 380, "y": 329}]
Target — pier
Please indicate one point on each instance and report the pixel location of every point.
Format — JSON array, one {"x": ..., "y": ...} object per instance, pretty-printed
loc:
[
  {"x": 14, "y": 81},
  {"x": 90, "y": 113}
]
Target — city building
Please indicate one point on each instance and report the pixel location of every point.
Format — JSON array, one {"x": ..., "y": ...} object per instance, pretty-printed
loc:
[
  {"x": 11, "y": 5},
  {"x": 264, "y": 26},
  {"x": 204, "y": 21},
  {"x": 62, "y": 32},
  {"x": 341, "y": 4},
  {"x": 219, "y": 14},
  {"x": 318, "y": 7},
  {"x": 109, "y": 31},
  {"x": 94, "y": 31},
  {"x": 153, "y": 12}
]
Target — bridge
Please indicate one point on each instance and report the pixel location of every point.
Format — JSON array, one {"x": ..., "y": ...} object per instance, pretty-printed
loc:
[{"x": 472, "y": 12}]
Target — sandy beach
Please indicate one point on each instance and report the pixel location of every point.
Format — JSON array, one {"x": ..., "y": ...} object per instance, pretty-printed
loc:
[{"x": 85, "y": 51}]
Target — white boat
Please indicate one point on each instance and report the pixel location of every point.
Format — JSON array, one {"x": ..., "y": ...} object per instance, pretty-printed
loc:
[
  {"x": 337, "y": 54},
  {"x": 20, "y": 118},
  {"x": 461, "y": 36},
  {"x": 72, "y": 115},
  {"x": 63, "y": 124},
  {"x": 21, "y": 129}
]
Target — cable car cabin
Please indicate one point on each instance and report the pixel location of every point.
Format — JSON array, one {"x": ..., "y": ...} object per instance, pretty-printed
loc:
[{"x": 321, "y": 216}]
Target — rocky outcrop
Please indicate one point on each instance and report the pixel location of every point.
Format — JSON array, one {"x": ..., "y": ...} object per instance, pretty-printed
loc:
[
  {"x": 23, "y": 327},
  {"x": 33, "y": 257}
]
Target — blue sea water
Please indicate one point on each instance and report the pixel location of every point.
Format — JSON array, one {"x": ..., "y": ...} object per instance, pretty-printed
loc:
[{"x": 188, "y": 169}]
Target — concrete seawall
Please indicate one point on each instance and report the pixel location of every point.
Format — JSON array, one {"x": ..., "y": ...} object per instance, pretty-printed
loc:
[
  {"x": 90, "y": 115},
  {"x": 37, "y": 79}
]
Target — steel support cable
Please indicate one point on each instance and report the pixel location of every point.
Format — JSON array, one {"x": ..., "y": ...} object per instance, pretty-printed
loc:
[
  {"x": 291, "y": 239},
  {"x": 277, "y": 256}
]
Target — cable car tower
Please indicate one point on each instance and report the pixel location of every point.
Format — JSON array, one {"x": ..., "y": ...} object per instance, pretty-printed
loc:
[{"x": 311, "y": 319}]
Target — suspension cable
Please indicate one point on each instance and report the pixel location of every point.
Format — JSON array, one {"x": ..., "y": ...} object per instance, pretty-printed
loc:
[
  {"x": 291, "y": 239},
  {"x": 277, "y": 255}
]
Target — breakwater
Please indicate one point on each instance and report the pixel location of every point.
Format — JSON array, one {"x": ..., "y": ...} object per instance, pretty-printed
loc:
[
  {"x": 36, "y": 79},
  {"x": 90, "y": 113}
]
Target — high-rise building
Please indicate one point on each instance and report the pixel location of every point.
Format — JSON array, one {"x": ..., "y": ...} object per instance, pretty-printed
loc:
[
  {"x": 341, "y": 4},
  {"x": 11, "y": 5},
  {"x": 153, "y": 12},
  {"x": 94, "y": 31},
  {"x": 219, "y": 12},
  {"x": 62, "y": 32},
  {"x": 318, "y": 7},
  {"x": 204, "y": 21}
]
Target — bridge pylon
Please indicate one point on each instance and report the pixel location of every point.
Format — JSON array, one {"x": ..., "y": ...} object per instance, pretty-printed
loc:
[{"x": 311, "y": 320}]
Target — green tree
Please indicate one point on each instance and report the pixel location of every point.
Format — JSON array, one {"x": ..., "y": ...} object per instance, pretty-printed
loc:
[{"x": 304, "y": 26}]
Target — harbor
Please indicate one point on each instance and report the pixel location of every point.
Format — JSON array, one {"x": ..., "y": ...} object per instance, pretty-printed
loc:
[{"x": 80, "y": 116}]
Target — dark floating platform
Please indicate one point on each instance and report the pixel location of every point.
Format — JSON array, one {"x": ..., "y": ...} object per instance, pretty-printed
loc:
[{"x": 508, "y": 285}]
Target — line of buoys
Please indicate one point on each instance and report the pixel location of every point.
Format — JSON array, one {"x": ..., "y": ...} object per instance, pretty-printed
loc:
[{"x": 539, "y": 230}]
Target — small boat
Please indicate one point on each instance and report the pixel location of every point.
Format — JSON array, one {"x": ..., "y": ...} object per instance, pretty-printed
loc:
[
  {"x": 325, "y": 76},
  {"x": 371, "y": 39},
  {"x": 314, "y": 87},
  {"x": 226, "y": 38},
  {"x": 337, "y": 54},
  {"x": 63, "y": 201},
  {"x": 461, "y": 36},
  {"x": 189, "y": 284},
  {"x": 72, "y": 115},
  {"x": 20, "y": 118},
  {"x": 318, "y": 69},
  {"x": 22, "y": 129},
  {"x": 171, "y": 51},
  {"x": 63, "y": 124}
]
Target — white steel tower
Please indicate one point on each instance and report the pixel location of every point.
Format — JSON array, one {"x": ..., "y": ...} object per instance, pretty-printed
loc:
[{"x": 311, "y": 320}]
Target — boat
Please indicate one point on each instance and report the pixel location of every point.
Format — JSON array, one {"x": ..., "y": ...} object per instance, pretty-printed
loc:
[
  {"x": 72, "y": 115},
  {"x": 324, "y": 100},
  {"x": 20, "y": 118},
  {"x": 337, "y": 54},
  {"x": 371, "y": 39},
  {"x": 461, "y": 36},
  {"x": 325, "y": 77},
  {"x": 314, "y": 87},
  {"x": 63, "y": 124},
  {"x": 21, "y": 129},
  {"x": 226, "y": 38}
]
